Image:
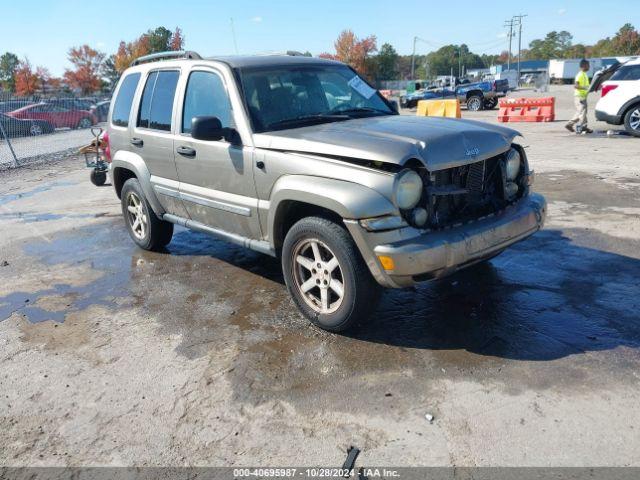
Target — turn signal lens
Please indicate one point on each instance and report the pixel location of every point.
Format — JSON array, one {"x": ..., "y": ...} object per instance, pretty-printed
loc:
[{"x": 386, "y": 262}]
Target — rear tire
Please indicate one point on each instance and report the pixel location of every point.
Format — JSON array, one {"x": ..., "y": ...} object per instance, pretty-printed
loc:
[
  {"x": 145, "y": 228},
  {"x": 475, "y": 103},
  {"x": 490, "y": 104},
  {"x": 326, "y": 275},
  {"x": 632, "y": 121}
]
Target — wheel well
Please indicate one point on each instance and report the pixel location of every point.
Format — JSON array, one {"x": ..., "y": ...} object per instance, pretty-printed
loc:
[
  {"x": 474, "y": 93},
  {"x": 121, "y": 175},
  {"x": 634, "y": 103},
  {"x": 291, "y": 211}
]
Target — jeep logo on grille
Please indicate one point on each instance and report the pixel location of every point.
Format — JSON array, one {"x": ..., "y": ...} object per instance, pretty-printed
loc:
[{"x": 472, "y": 152}]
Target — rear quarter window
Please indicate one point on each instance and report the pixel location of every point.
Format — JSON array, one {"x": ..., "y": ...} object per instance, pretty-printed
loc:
[
  {"x": 124, "y": 100},
  {"x": 629, "y": 72}
]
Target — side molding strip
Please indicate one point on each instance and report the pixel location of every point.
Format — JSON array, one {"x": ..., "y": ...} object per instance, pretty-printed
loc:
[
  {"x": 227, "y": 207},
  {"x": 257, "y": 245}
]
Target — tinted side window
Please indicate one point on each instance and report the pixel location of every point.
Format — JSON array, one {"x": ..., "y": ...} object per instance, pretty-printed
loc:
[
  {"x": 630, "y": 72},
  {"x": 122, "y": 107},
  {"x": 205, "y": 95},
  {"x": 162, "y": 101},
  {"x": 145, "y": 102}
]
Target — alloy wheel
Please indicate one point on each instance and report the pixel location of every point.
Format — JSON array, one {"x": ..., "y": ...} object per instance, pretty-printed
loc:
[
  {"x": 35, "y": 130},
  {"x": 136, "y": 216},
  {"x": 318, "y": 276},
  {"x": 474, "y": 104},
  {"x": 634, "y": 119}
]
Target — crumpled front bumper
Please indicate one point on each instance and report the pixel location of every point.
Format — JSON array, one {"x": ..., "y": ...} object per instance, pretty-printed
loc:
[{"x": 436, "y": 254}]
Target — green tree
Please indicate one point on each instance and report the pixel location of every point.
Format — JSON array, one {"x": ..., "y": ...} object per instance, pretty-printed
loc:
[
  {"x": 451, "y": 58},
  {"x": 8, "y": 65},
  {"x": 554, "y": 45},
  {"x": 110, "y": 73},
  {"x": 626, "y": 41},
  {"x": 159, "y": 40},
  {"x": 387, "y": 62}
]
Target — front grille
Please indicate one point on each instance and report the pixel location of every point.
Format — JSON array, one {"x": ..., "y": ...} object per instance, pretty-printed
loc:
[
  {"x": 460, "y": 194},
  {"x": 475, "y": 177}
]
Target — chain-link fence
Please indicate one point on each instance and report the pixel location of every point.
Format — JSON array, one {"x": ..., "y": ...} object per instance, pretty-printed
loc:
[{"x": 40, "y": 128}]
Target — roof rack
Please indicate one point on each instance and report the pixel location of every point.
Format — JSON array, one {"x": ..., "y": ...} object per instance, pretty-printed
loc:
[
  {"x": 184, "y": 54},
  {"x": 287, "y": 53}
]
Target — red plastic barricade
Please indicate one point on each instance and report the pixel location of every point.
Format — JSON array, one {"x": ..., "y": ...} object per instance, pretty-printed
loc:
[{"x": 527, "y": 110}]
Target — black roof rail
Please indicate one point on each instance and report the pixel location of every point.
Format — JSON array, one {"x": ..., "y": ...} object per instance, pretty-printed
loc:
[{"x": 185, "y": 54}]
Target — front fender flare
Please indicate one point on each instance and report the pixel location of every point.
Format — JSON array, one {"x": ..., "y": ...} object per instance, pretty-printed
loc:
[
  {"x": 135, "y": 163},
  {"x": 347, "y": 199}
]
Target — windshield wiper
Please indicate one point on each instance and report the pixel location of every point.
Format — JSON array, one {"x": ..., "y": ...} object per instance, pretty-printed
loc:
[
  {"x": 316, "y": 117},
  {"x": 359, "y": 110}
]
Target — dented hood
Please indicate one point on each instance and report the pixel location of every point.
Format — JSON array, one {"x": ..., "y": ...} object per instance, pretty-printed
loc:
[{"x": 439, "y": 142}]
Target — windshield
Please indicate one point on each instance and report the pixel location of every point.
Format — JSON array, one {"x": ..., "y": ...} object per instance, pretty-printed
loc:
[{"x": 290, "y": 97}]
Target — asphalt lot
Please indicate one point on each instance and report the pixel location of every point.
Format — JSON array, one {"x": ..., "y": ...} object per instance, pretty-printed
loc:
[{"x": 110, "y": 355}]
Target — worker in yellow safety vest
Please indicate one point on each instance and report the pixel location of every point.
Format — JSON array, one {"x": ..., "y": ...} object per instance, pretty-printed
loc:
[{"x": 580, "y": 91}]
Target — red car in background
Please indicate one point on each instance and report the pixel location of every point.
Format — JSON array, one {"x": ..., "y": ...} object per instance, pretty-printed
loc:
[{"x": 58, "y": 116}]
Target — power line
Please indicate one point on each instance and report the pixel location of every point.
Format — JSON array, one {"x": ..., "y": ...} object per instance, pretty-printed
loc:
[{"x": 519, "y": 18}]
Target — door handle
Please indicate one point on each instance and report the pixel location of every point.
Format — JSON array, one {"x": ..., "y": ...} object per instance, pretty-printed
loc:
[
  {"x": 137, "y": 142},
  {"x": 186, "y": 151}
]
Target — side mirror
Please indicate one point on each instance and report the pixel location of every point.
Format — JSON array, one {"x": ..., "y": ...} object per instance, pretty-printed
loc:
[
  {"x": 394, "y": 106},
  {"x": 206, "y": 127}
]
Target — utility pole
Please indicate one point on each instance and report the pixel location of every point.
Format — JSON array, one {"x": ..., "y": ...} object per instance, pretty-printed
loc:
[
  {"x": 519, "y": 20},
  {"x": 510, "y": 24},
  {"x": 413, "y": 59}
]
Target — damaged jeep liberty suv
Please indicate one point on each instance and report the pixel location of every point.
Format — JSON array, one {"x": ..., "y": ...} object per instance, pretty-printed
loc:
[{"x": 301, "y": 159}]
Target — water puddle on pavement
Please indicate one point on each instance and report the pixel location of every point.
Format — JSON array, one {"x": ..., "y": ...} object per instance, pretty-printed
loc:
[
  {"x": 545, "y": 299},
  {"x": 12, "y": 197}
]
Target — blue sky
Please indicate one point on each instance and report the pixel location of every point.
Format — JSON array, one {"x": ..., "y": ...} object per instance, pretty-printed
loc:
[{"x": 44, "y": 30}]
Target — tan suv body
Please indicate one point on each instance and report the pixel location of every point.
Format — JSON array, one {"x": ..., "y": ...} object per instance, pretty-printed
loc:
[{"x": 300, "y": 158}]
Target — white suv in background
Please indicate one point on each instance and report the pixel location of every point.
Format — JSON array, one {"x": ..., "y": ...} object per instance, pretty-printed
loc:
[{"x": 620, "y": 101}]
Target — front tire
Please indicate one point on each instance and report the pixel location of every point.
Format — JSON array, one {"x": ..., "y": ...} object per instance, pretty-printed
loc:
[
  {"x": 326, "y": 275},
  {"x": 145, "y": 228},
  {"x": 632, "y": 121},
  {"x": 474, "y": 103}
]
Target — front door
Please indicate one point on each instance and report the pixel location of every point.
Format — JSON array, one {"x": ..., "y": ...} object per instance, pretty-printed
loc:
[{"x": 216, "y": 177}]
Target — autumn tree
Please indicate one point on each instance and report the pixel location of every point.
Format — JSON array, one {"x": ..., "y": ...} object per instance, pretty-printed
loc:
[
  {"x": 354, "y": 51},
  {"x": 8, "y": 64},
  {"x": 177, "y": 40},
  {"x": 87, "y": 68},
  {"x": 25, "y": 79},
  {"x": 158, "y": 40}
]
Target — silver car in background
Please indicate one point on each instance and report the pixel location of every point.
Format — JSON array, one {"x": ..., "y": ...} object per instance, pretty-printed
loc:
[{"x": 302, "y": 159}]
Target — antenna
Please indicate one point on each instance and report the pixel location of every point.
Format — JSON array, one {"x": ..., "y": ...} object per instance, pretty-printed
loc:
[{"x": 233, "y": 34}]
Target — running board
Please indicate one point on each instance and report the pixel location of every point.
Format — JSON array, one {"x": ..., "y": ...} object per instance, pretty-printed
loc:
[{"x": 257, "y": 245}]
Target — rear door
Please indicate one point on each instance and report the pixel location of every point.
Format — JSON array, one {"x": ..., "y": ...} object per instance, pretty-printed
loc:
[
  {"x": 216, "y": 177},
  {"x": 151, "y": 135}
]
